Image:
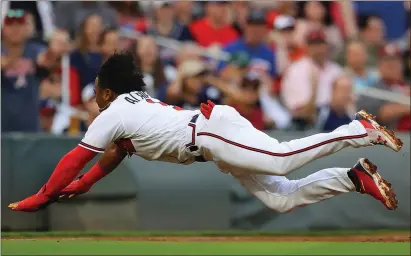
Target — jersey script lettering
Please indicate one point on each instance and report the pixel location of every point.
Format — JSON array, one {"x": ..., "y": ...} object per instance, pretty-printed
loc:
[{"x": 135, "y": 97}]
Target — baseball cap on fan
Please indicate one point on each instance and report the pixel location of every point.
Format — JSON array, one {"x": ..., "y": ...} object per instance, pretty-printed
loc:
[
  {"x": 389, "y": 51},
  {"x": 88, "y": 93},
  {"x": 284, "y": 22},
  {"x": 256, "y": 17}
]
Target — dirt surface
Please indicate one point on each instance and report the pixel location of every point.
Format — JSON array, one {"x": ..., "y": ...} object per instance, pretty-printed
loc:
[{"x": 404, "y": 238}]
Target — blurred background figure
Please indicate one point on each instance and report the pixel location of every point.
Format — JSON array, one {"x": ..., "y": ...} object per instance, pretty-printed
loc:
[
  {"x": 341, "y": 108},
  {"x": 23, "y": 65},
  {"x": 191, "y": 87},
  {"x": 253, "y": 43},
  {"x": 129, "y": 15},
  {"x": 285, "y": 43},
  {"x": 315, "y": 18},
  {"x": 356, "y": 57},
  {"x": 65, "y": 18},
  {"x": 90, "y": 106},
  {"x": 150, "y": 64},
  {"x": 109, "y": 42},
  {"x": 274, "y": 40},
  {"x": 240, "y": 11},
  {"x": 372, "y": 32},
  {"x": 247, "y": 103},
  {"x": 165, "y": 25},
  {"x": 307, "y": 83},
  {"x": 214, "y": 28},
  {"x": 48, "y": 109},
  {"x": 282, "y": 8},
  {"x": 39, "y": 15},
  {"x": 390, "y": 68},
  {"x": 86, "y": 58}
]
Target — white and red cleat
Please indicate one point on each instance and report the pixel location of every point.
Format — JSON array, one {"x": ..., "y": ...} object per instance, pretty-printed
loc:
[
  {"x": 368, "y": 181},
  {"x": 378, "y": 134}
]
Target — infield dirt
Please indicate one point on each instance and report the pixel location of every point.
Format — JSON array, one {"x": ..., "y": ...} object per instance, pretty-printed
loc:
[{"x": 401, "y": 237}]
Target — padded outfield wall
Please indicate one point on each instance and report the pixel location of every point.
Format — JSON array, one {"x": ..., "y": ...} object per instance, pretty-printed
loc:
[{"x": 142, "y": 195}]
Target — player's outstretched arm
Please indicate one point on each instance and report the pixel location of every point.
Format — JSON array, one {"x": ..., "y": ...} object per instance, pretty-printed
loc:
[
  {"x": 111, "y": 158},
  {"x": 67, "y": 169}
]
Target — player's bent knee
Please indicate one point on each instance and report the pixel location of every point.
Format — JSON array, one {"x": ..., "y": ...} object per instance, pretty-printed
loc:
[{"x": 280, "y": 204}]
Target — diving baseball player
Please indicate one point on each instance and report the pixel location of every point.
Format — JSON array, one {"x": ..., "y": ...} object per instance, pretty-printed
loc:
[{"x": 132, "y": 122}]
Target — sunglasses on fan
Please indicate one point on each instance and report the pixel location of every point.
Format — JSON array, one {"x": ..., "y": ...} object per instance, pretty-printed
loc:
[{"x": 15, "y": 16}]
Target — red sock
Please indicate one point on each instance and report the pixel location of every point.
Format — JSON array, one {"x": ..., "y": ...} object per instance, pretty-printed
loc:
[
  {"x": 94, "y": 174},
  {"x": 67, "y": 169}
]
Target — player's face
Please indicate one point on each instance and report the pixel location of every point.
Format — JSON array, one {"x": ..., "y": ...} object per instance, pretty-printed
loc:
[{"x": 103, "y": 96}]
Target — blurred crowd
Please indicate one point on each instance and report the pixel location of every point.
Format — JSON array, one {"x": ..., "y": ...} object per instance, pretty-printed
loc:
[{"x": 281, "y": 64}]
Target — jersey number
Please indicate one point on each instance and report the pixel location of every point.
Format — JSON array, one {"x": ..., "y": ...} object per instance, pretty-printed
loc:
[{"x": 163, "y": 104}]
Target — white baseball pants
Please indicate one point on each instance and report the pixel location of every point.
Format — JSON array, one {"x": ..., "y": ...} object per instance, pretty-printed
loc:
[{"x": 257, "y": 160}]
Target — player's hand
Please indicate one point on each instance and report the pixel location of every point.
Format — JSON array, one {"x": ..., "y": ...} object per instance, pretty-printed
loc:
[
  {"x": 33, "y": 203},
  {"x": 75, "y": 188}
]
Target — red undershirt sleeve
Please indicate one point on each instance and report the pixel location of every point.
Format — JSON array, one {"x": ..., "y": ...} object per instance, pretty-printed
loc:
[{"x": 67, "y": 169}]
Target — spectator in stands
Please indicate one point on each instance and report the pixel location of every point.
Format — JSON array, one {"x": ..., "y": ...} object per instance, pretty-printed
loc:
[
  {"x": 236, "y": 68},
  {"x": 185, "y": 10},
  {"x": 165, "y": 25},
  {"x": 189, "y": 51},
  {"x": 341, "y": 108},
  {"x": 150, "y": 64},
  {"x": 307, "y": 83},
  {"x": 356, "y": 65},
  {"x": 50, "y": 88},
  {"x": 246, "y": 101},
  {"x": 214, "y": 28},
  {"x": 129, "y": 15},
  {"x": 391, "y": 114},
  {"x": 86, "y": 59},
  {"x": 108, "y": 42},
  {"x": 372, "y": 32},
  {"x": 314, "y": 18},
  {"x": 286, "y": 48},
  {"x": 40, "y": 13},
  {"x": 23, "y": 65},
  {"x": 240, "y": 11},
  {"x": 70, "y": 15},
  {"x": 48, "y": 109},
  {"x": 283, "y": 8},
  {"x": 253, "y": 43},
  {"x": 192, "y": 86}
]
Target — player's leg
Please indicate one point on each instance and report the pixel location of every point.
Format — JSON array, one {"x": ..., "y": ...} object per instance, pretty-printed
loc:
[
  {"x": 283, "y": 195},
  {"x": 232, "y": 141}
]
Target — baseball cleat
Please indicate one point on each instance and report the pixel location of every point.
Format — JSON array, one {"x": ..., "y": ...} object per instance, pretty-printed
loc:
[
  {"x": 368, "y": 181},
  {"x": 379, "y": 135}
]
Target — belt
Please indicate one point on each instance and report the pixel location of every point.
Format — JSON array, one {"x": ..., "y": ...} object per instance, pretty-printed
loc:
[{"x": 192, "y": 146}]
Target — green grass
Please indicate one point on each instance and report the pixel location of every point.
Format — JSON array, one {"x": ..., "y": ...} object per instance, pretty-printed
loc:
[{"x": 102, "y": 247}]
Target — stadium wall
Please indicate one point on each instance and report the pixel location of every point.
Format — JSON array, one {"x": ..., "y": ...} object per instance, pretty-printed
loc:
[{"x": 143, "y": 195}]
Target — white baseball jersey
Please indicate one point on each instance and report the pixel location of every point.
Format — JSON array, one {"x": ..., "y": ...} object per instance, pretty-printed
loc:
[{"x": 143, "y": 126}]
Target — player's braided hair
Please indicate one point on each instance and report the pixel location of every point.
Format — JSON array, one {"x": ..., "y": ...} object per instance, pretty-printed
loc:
[{"x": 121, "y": 74}]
